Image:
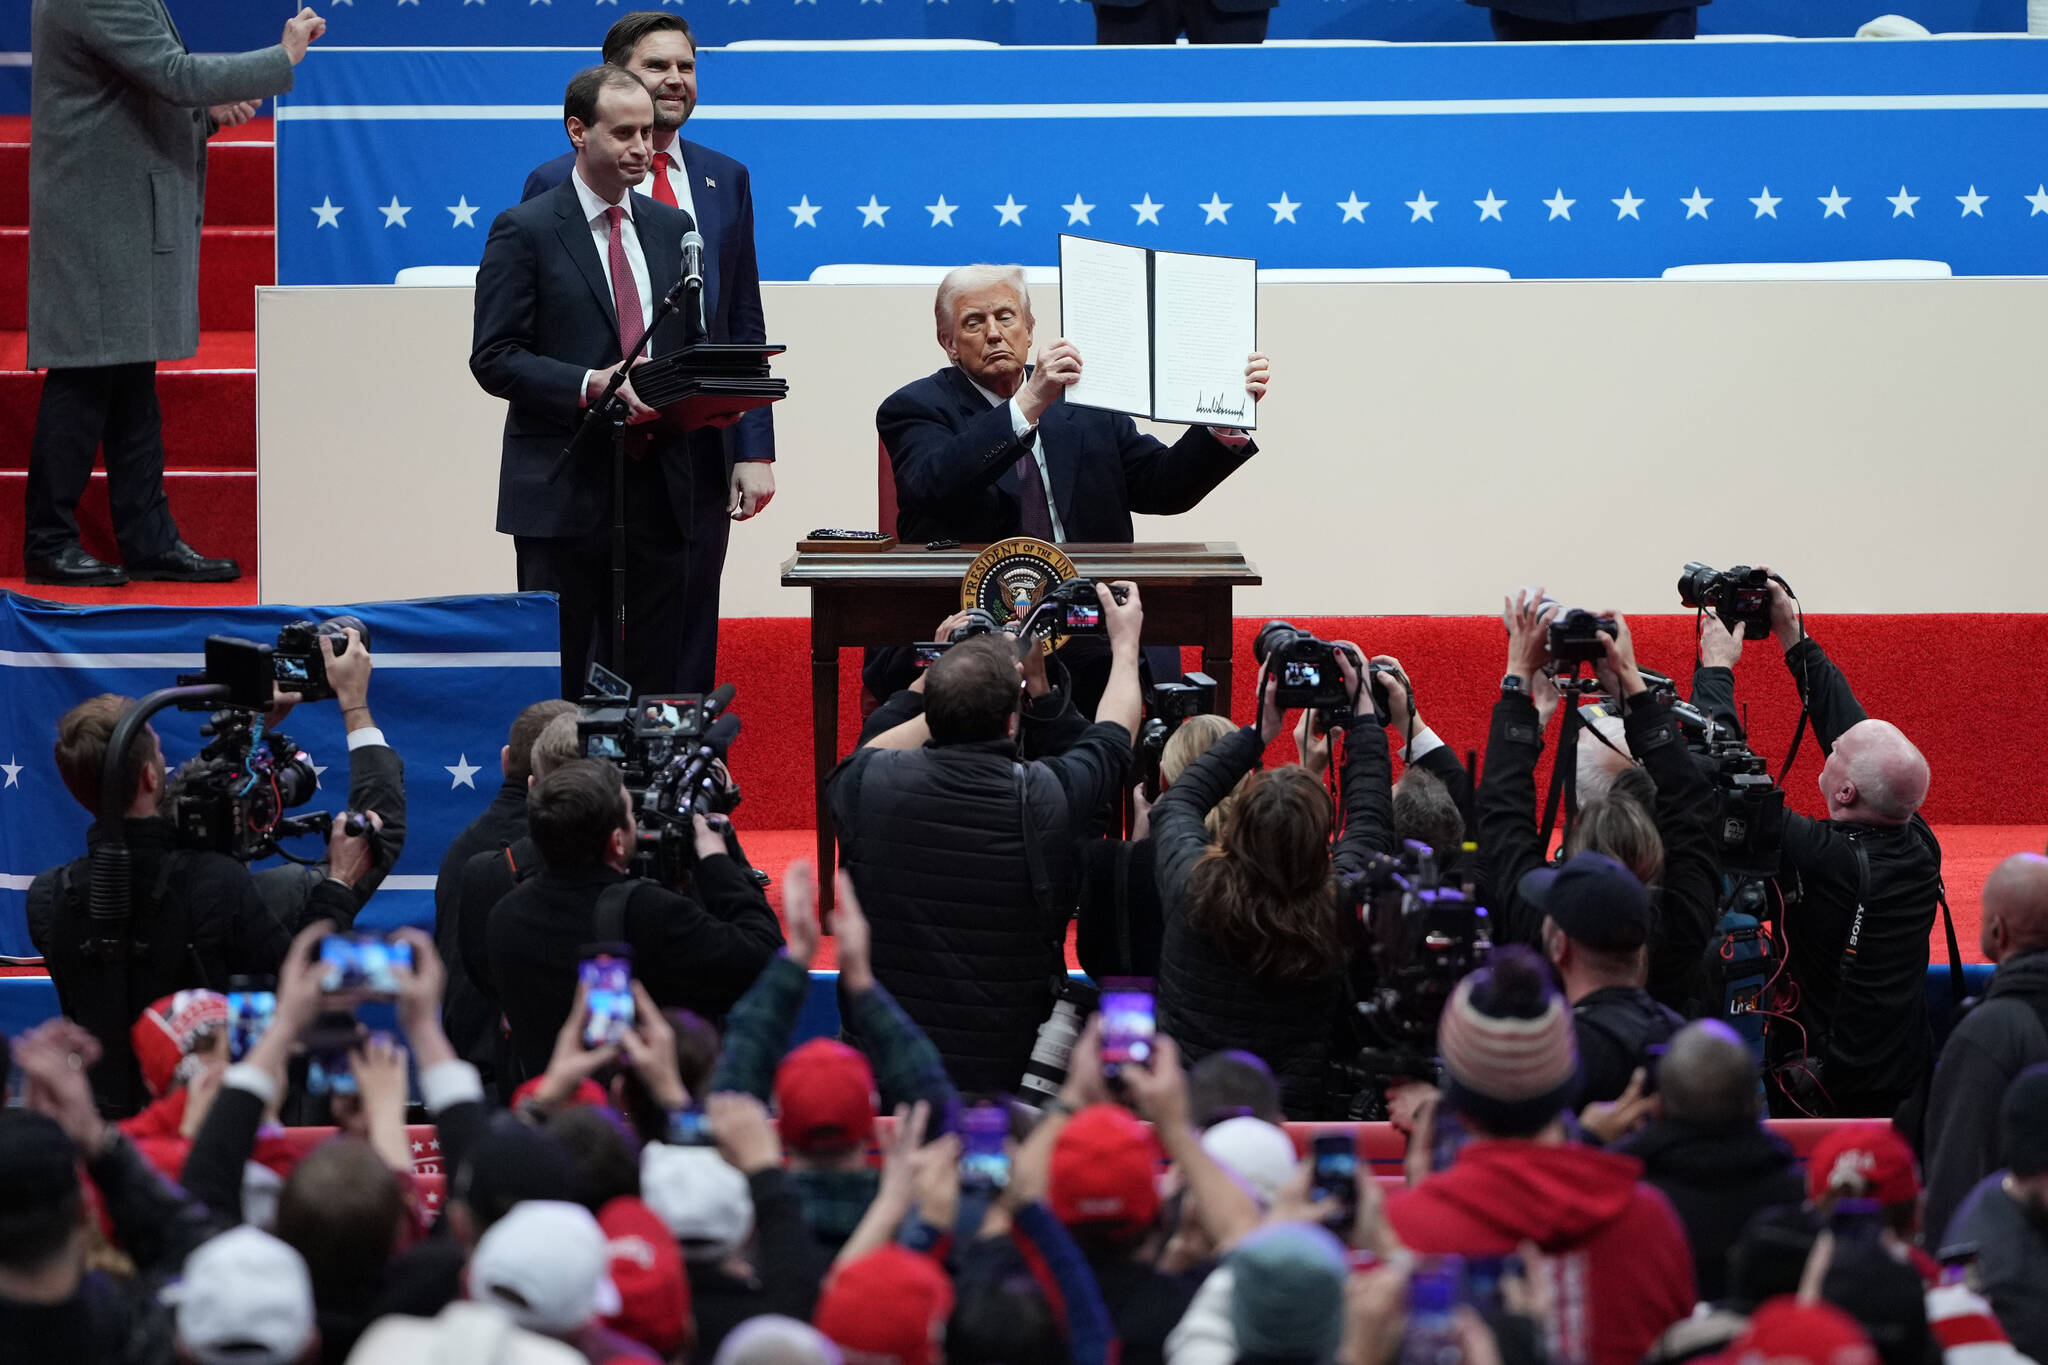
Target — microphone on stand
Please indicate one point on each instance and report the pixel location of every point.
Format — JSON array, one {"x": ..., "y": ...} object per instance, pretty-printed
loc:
[{"x": 693, "y": 277}]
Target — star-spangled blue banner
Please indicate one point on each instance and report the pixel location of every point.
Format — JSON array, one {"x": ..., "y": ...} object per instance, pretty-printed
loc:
[
  {"x": 1559, "y": 161},
  {"x": 497, "y": 654}
]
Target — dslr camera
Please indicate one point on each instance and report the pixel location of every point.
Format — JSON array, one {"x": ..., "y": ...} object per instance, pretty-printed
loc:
[
  {"x": 978, "y": 622},
  {"x": 1739, "y": 596},
  {"x": 1071, "y": 607},
  {"x": 1575, "y": 637},
  {"x": 1170, "y": 704},
  {"x": 1309, "y": 677}
]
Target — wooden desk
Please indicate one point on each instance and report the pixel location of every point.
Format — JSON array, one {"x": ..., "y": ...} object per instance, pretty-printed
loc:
[{"x": 897, "y": 597}]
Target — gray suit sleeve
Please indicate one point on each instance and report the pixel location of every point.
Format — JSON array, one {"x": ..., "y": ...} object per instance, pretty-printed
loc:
[{"x": 131, "y": 35}]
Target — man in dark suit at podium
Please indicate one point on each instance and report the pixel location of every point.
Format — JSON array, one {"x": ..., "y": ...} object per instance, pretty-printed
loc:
[
  {"x": 568, "y": 285},
  {"x": 984, "y": 449},
  {"x": 718, "y": 193}
]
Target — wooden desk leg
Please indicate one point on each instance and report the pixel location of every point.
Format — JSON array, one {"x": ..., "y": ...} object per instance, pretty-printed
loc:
[
  {"x": 824, "y": 745},
  {"x": 1216, "y": 647}
]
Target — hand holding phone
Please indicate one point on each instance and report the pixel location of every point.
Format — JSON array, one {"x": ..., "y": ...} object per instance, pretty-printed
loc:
[
  {"x": 252, "y": 1008},
  {"x": 1334, "y": 1175},
  {"x": 608, "y": 981},
  {"x": 984, "y": 1162},
  {"x": 1129, "y": 1022},
  {"x": 363, "y": 962}
]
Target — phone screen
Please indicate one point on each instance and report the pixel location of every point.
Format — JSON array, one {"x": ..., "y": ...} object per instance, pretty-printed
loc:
[
  {"x": 363, "y": 962},
  {"x": 609, "y": 979},
  {"x": 249, "y": 1016},
  {"x": 327, "y": 1073},
  {"x": 984, "y": 1165},
  {"x": 1334, "y": 1157},
  {"x": 689, "y": 1127},
  {"x": 1127, "y": 1027}
]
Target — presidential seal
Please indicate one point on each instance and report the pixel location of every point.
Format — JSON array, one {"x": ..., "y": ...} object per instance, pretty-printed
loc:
[{"x": 1010, "y": 577}]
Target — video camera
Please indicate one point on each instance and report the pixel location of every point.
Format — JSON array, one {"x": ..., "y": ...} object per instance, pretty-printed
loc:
[
  {"x": 670, "y": 752},
  {"x": 1749, "y": 824},
  {"x": 978, "y": 622},
  {"x": 1739, "y": 596},
  {"x": 232, "y": 798},
  {"x": 1422, "y": 938},
  {"x": 1310, "y": 680},
  {"x": 1169, "y": 705}
]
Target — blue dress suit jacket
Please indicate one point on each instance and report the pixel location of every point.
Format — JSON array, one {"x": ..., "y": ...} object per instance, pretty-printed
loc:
[
  {"x": 724, "y": 195},
  {"x": 544, "y": 315}
]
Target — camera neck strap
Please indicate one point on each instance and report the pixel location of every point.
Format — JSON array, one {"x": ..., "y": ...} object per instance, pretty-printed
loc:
[
  {"x": 1854, "y": 944},
  {"x": 608, "y": 921}
]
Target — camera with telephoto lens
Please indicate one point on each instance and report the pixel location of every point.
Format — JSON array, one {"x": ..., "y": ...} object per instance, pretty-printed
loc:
[
  {"x": 233, "y": 797},
  {"x": 1422, "y": 937},
  {"x": 1738, "y": 596},
  {"x": 978, "y": 622},
  {"x": 670, "y": 752},
  {"x": 1046, "y": 1072},
  {"x": 1169, "y": 705}
]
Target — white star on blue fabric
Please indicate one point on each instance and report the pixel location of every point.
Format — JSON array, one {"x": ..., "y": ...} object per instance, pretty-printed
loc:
[
  {"x": 1696, "y": 207},
  {"x": 1148, "y": 212},
  {"x": 1011, "y": 211},
  {"x": 463, "y": 212},
  {"x": 2039, "y": 199},
  {"x": 1767, "y": 203},
  {"x": 1972, "y": 202},
  {"x": 806, "y": 212},
  {"x": 1354, "y": 208},
  {"x": 13, "y": 771},
  {"x": 871, "y": 213},
  {"x": 1834, "y": 202},
  {"x": 1627, "y": 206},
  {"x": 394, "y": 212},
  {"x": 1421, "y": 206},
  {"x": 1283, "y": 211},
  {"x": 464, "y": 772},
  {"x": 329, "y": 211},
  {"x": 941, "y": 212},
  {"x": 1903, "y": 202},
  {"x": 1078, "y": 211},
  {"x": 1489, "y": 207},
  {"x": 1216, "y": 210},
  {"x": 1559, "y": 206}
]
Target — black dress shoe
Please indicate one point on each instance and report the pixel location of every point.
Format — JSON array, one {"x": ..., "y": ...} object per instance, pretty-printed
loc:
[
  {"x": 183, "y": 564},
  {"x": 74, "y": 568}
]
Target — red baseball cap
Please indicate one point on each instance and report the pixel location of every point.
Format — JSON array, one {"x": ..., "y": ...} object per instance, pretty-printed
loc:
[
  {"x": 889, "y": 1307},
  {"x": 164, "y": 1035},
  {"x": 1784, "y": 1331},
  {"x": 1105, "y": 1172},
  {"x": 825, "y": 1098},
  {"x": 1863, "y": 1161},
  {"x": 647, "y": 1268}
]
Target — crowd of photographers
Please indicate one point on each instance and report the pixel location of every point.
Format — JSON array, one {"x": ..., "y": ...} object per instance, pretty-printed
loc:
[{"x": 1580, "y": 1047}]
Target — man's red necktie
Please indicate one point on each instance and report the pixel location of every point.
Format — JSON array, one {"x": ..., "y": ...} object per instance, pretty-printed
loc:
[{"x": 663, "y": 191}]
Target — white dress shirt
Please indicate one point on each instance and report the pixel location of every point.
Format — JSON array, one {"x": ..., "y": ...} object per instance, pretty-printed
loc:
[
  {"x": 678, "y": 181},
  {"x": 1022, "y": 429},
  {"x": 596, "y": 212}
]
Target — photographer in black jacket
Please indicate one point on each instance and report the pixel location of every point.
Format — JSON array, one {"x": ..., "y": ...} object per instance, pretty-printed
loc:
[
  {"x": 964, "y": 854},
  {"x": 1256, "y": 952},
  {"x": 1860, "y": 890},
  {"x": 698, "y": 954},
  {"x": 1665, "y": 836},
  {"x": 197, "y": 919}
]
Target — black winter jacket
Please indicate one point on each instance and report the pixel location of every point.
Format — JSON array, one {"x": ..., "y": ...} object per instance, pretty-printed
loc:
[
  {"x": 1510, "y": 843},
  {"x": 2001, "y": 1037},
  {"x": 1209, "y": 999},
  {"x": 934, "y": 841},
  {"x": 468, "y": 1016},
  {"x": 1871, "y": 1031},
  {"x": 1616, "y": 1028},
  {"x": 1715, "y": 1177}
]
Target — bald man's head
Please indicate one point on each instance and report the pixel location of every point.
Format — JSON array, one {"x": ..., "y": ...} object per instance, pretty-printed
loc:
[
  {"x": 1874, "y": 775},
  {"x": 1708, "y": 1076},
  {"x": 2016, "y": 907}
]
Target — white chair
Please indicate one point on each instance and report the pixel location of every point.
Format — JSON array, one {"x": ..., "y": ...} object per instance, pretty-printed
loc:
[
  {"x": 1813, "y": 270},
  {"x": 852, "y": 273},
  {"x": 1386, "y": 274},
  {"x": 440, "y": 276},
  {"x": 860, "y": 44}
]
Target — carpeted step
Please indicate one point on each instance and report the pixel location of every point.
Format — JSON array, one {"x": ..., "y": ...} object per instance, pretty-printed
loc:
[
  {"x": 209, "y": 404},
  {"x": 233, "y": 261},
  {"x": 239, "y": 175},
  {"x": 215, "y": 508}
]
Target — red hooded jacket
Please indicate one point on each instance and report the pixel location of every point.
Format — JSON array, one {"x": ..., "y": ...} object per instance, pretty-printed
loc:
[{"x": 1619, "y": 1258}]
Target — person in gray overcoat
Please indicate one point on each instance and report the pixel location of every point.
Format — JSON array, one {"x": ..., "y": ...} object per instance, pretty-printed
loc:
[{"x": 120, "y": 115}]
